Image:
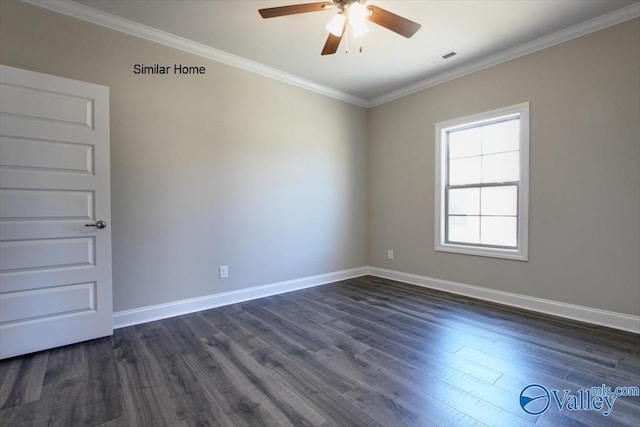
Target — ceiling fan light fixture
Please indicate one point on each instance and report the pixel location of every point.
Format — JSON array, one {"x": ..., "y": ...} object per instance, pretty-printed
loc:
[
  {"x": 358, "y": 13},
  {"x": 359, "y": 29},
  {"x": 336, "y": 25},
  {"x": 357, "y": 17}
]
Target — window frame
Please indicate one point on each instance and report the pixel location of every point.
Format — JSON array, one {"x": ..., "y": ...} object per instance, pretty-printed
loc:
[{"x": 520, "y": 252}]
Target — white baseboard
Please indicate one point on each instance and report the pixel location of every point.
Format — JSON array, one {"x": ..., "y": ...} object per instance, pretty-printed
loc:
[
  {"x": 136, "y": 316},
  {"x": 596, "y": 316}
]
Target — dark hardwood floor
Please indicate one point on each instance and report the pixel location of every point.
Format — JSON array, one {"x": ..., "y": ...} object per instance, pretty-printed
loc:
[{"x": 362, "y": 352}]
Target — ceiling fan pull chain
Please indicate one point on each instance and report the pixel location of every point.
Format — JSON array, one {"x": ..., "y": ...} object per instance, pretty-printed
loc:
[{"x": 346, "y": 42}]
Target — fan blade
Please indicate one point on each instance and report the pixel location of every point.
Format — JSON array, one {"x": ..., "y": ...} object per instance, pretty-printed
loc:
[
  {"x": 393, "y": 22},
  {"x": 274, "y": 12},
  {"x": 331, "y": 45}
]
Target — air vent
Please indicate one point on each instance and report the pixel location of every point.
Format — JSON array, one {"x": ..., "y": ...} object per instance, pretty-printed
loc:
[{"x": 441, "y": 57}]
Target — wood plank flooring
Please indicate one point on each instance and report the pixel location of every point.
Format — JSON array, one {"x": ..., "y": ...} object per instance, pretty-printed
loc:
[{"x": 361, "y": 352}]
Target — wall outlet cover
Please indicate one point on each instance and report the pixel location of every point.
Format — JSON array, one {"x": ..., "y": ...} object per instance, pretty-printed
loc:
[{"x": 224, "y": 271}]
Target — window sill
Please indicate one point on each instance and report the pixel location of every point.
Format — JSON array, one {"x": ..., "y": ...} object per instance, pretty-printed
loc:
[{"x": 511, "y": 254}]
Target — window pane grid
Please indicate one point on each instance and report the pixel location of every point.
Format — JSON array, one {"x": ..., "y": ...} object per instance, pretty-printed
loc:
[
  {"x": 493, "y": 145},
  {"x": 487, "y": 185},
  {"x": 479, "y": 217},
  {"x": 484, "y": 169},
  {"x": 487, "y": 216},
  {"x": 480, "y": 155}
]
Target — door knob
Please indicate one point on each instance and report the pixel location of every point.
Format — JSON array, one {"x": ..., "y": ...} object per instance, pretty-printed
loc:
[{"x": 98, "y": 224}]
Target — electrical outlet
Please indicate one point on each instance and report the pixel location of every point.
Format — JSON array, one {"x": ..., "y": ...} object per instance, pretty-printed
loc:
[
  {"x": 224, "y": 271},
  {"x": 390, "y": 254}
]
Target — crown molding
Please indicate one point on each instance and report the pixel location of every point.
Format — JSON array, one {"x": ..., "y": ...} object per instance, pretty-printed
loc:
[
  {"x": 117, "y": 23},
  {"x": 584, "y": 28},
  {"x": 113, "y": 22}
]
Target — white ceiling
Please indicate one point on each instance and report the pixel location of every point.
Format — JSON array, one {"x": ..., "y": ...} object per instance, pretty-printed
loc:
[{"x": 475, "y": 29}]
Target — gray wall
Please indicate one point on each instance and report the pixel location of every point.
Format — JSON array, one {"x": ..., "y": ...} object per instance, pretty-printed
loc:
[
  {"x": 280, "y": 183},
  {"x": 226, "y": 168},
  {"x": 584, "y": 230}
]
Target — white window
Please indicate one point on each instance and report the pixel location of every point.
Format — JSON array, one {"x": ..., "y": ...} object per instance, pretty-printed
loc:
[{"x": 482, "y": 184}]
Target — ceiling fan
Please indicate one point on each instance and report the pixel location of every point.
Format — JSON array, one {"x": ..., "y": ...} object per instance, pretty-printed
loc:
[{"x": 351, "y": 13}]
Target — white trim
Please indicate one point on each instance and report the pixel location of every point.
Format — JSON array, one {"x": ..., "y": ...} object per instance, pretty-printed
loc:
[
  {"x": 580, "y": 313},
  {"x": 113, "y": 22},
  {"x": 117, "y": 23},
  {"x": 613, "y": 18},
  {"x": 596, "y": 316},
  {"x": 521, "y": 252},
  {"x": 136, "y": 316}
]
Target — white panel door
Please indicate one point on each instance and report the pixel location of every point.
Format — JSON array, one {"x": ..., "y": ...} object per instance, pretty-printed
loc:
[{"x": 55, "y": 262}]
